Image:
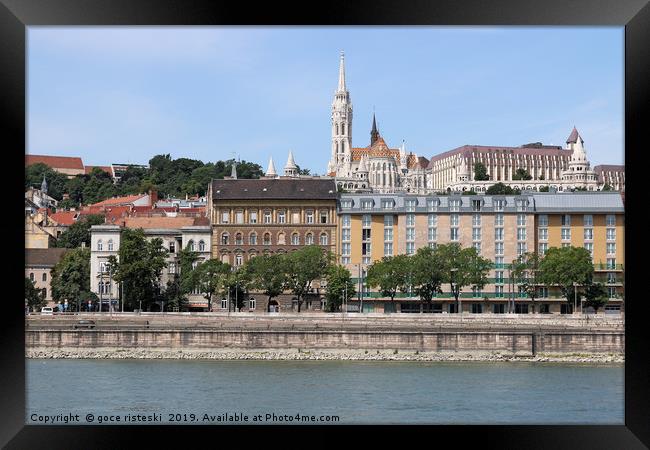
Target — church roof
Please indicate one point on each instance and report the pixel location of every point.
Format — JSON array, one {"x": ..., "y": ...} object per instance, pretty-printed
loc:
[
  {"x": 55, "y": 162},
  {"x": 573, "y": 137}
]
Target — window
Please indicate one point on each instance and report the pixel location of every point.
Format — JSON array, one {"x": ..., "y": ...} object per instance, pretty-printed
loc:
[
  {"x": 589, "y": 234},
  {"x": 346, "y": 234},
  {"x": 388, "y": 221},
  {"x": 542, "y": 292},
  {"x": 410, "y": 220},
  {"x": 410, "y": 204},
  {"x": 521, "y": 248},
  {"x": 453, "y": 234},
  {"x": 110, "y": 245},
  {"x": 104, "y": 266},
  {"x": 590, "y": 248},
  {"x": 310, "y": 216},
  {"x": 610, "y": 220},
  {"x": 499, "y": 205},
  {"x": 44, "y": 290},
  {"x": 31, "y": 276},
  {"x": 225, "y": 216},
  {"x": 611, "y": 277},
  {"x": 410, "y": 248},
  {"x": 521, "y": 309},
  {"x": 588, "y": 220},
  {"x": 543, "y": 234},
  {"x": 498, "y": 277},
  {"x": 388, "y": 249},
  {"x": 295, "y": 239},
  {"x": 323, "y": 217},
  {"x": 309, "y": 239},
  {"x": 239, "y": 259},
  {"x": 345, "y": 249},
  {"x": 611, "y": 234},
  {"x": 566, "y": 234},
  {"x": 282, "y": 217},
  {"x": 498, "y": 291},
  {"x": 543, "y": 248},
  {"x": 239, "y": 217},
  {"x": 476, "y": 220},
  {"x": 611, "y": 292},
  {"x": 225, "y": 237},
  {"x": 252, "y": 239},
  {"x": 543, "y": 220},
  {"x": 498, "y": 248},
  {"x": 498, "y": 220},
  {"x": 365, "y": 239},
  {"x": 476, "y": 205},
  {"x": 172, "y": 247},
  {"x": 521, "y": 234},
  {"x": 432, "y": 204},
  {"x": 454, "y": 205},
  {"x": 172, "y": 267},
  {"x": 521, "y": 220},
  {"x": 566, "y": 244},
  {"x": 44, "y": 277},
  {"x": 477, "y": 308},
  {"x": 453, "y": 220},
  {"x": 410, "y": 234},
  {"x": 611, "y": 248},
  {"x": 345, "y": 220},
  {"x": 224, "y": 303},
  {"x": 201, "y": 246},
  {"x": 251, "y": 303},
  {"x": 431, "y": 234},
  {"x": 346, "y": 204},
  {"x": 323, "y": 239},
  {"x": 365, "y": 221},
  {"x": 498, "y": 261},
  {"x": 100, "y": 245},
  {"x": 295, "y": 217},
  {"x": 281, "y": 239},
  {"x": 267, "y": 216},
  {"x": 387, "y": 204},
  {"x": 566, "y": 220},
  {"x": 252, "y": 216},
  {"x": 522, "y": 205},
  {"x": 432, "y": 220},
  {"x": 476, "y": 234},
  {"x": 477, "y": 246},
  {"x": 498, "y": 234},
  {"x": 239, "y": 239},
  {"x": 388, "y": 234},
  {"x": 267, "y": 238}
]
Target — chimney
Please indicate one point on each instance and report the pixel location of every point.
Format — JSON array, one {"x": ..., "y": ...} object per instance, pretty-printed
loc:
[{"x": 153, "y": 196}]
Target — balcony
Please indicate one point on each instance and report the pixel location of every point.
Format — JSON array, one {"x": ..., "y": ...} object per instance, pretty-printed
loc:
[{"x": 610, "y": 267}]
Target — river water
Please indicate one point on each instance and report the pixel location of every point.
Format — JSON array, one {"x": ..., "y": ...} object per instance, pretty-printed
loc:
[{"x": 306, "y": 392}]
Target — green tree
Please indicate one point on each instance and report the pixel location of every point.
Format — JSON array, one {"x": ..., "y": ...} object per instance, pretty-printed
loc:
[
  {"x": 500, "y": 189},
  {"x": 596, "y": 296},
  {"x": 607, "y": 187},
  {"x": 462, "y": 267},
  {"x": 426, "y": 274},
  {"x": 480, "y": 172},
  {"x": 236, "y": 285},
  {"x": 34, "y": 297},
  {"x": 211, "y": 277},
  {"x": 79, "y": 232},
  {"x": 339, "y": 287},
  {"x": 56, "y": 182},
  {"x": 565, "y": 267},
  {"x": 303, "y": 267},
  {"x": 390, "y": 274},
  {"x": 70, "y": 277},
  {"x": 173, "y": 295},
  {"x": 543, "y": 189},
  {"x": 268, "y": 275},
  {"x": 186, "y": 260},
  {"x": 521, "y": 174},
  {"x": 525, "y": 271},
  {"x": 139, "y": 268}
]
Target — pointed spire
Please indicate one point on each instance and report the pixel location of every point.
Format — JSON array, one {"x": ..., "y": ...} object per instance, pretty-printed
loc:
[
  {"x": 290, "y": 169},
  {"x": 374, "y": 133},
  {"x": 233, "y": 173},
  {"x": 574, "y": 136},
  {"x": 363, "y": 167},
  {"x": 290, "y": 162},
  {"x": 270, "y": 172},
  {"x": 341, "y": 87},
  {"x": 44, "y": 185}
]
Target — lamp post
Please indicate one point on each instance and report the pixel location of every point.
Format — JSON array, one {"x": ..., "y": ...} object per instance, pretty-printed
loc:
[
  {"x": 453, "y": 288},
  {"x": 575, "y": 296}
]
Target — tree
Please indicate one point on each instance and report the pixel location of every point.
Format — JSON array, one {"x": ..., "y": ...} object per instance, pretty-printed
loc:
[
  {"x": 607, "y": 187},
  {"x": 70, "y": 277},
  {"x": 33, "y": 297},
  {"x": 566, "y": 266},
  {"x": 267, "y": 274},
  {"x": 543, "y": 188},
  {"x": 339, "y": 286},
  {"x": 525, "y": 271},
  {"x": 236, "y": 285},
  {"x": 521, "y": 174},
  {"x": 187, "y": 278},
  {"x": 390, "y": 274},
  {"x": 211, "y": 278},
  {"x": 303, "y": 267},
  {"x": 56, "y": 181},
  {"x": 480, "y": 172},
  {"x": 174, "y": 296},
  {"x": 79, "y": 232},
  {"x": 426, "y": 273},
  {"x": 462, "y": 267},
  {"x": 596, "y": 296},
  {"x": 500, "y": 189},
  {"x": 139, "y": 267}
]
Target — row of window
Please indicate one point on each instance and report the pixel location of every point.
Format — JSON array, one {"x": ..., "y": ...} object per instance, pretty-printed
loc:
[
  {"x": 43, "y": 277},
  {"x": 266, "y": 239},
  {"x": 432, "y": 204},
  {"x": 587, "y": 220},
  {"x": 172, "y": 246},
  {"x": 281, "y": 217}
]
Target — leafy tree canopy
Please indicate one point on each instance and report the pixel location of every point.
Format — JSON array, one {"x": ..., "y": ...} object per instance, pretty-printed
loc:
[
  {"x": 390, "y": 275},
  {"x": 565, "y": 266},
  {"x": 70, "y": 277},
  {"x": 33, "y": 296},
  {"x": 480, "y": 172},
  {"x": 339, "y": 287}
]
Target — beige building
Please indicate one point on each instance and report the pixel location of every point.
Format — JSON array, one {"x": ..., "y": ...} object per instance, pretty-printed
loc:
[{"x": 38, "y": 266}]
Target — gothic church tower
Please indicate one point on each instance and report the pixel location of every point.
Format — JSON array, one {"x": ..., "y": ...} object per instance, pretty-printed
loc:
[{"x": 341, "y": 160}]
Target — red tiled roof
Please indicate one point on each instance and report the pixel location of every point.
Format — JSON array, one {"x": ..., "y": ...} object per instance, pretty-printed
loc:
[
  {"x": 64, "y": 217},
  {"x": 128, "y": 199},
  {"x": 55, "y": 162},
  {"x": 158, "y": 222},
  {"x": 106, "y": 169}
]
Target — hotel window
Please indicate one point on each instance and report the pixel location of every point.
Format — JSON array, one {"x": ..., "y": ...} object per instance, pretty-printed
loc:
[
  {"x": 476, "y": 220},
  {"x": 345, "y": 234},
  {"x": 410, "y": 220},
  {"x": 498, "y": 220},
  {"x": 252, "y": 216},
  {"x": 388, "y": 249},
  {"x": 252, "y": 239},
  {"x": 611, "y": 248},
  {"x": 543, "y": 292},
  {"x": 239, "y": 259},
  {"x": 100, "y": 245},
  {"x": 225, "y": 216},
  {"x": 521, "y": 234},
  {"x": 410, "y": 204},
  {"x": 239, "y": 217},
  {"x": 309, "y": 239},
  {"x": 522, "y": 205},
  {"x": 454, "y": 205},
  {"x": 453, "y": 220},
  {"x": 543, "y": 247},
  {"x": 477, "y": 246},
  {"x": 431, "y": 234},
  {"x": 201, "y": 246},
  {"x": 476, "y": 205},
  {"x": 498, "y": 292},
  {"x": 345, "y": 252},
  {"x": 110, "y": 245},
  {"x": 323, "y": 217},
  {"x": 267, "y": 216},
  {"x": 190, "y": 244},
  {"x": 589, "y": 234},
  {"x": 366, "y": 204},
  {"x": 521, "y": 248},
  {"x": 476, "y": 234},
  {"x": 611, "y": 234},
  {"x": 566, "y": 234},
  {"x": 410, "y": 234},
  {"x": 588, "y": 220},
  {"x": 432, "y": 220},
  {"x": 432, "y": 204},
  {"x": 611, "y": 263},
  {"x": 295, "y": 217},
  {"x": 387, "y": 204},
  {"x": 610, "y": 220},
  {"x": 453, "y": 234},
  {"x": 388, "y": 221},
  {"x": 499, "y": 205},
  {"x": 611, "y": 278},
  {"x": 521, "y": 220},
  {"x": 590, "y": 248},
  {"x": 345, "y": 220},
  {"x": 267, "y": 238},
  {"x": 566, "y": 220},
  {"x": 410, "y": 248},
  {"x": 498, "y": 248},
  {"x": 224, "y": 241},
  {"x": 172, "y": 247},
  {"x": 498, "y": 277},
  {"x": 543, "y": 220},
  {"x": 103, "y": 267},
  {"x": 498, "y": 234},
  {"x": 365, "y": 221},
  {"x": 310, "y": 216},
  {"x": 388, "y": 234},
  {"x": 611, "y": 292},
  {"x": 543, "y": 234},
  {"x": 282, "y": 217},
  {"x": 365, "y": 239},
  {"x": 498, "y": 262},
  {"x": 347, "y": 204},
  {"x": 295, "y": 239},
  {"x": 323, "y": 239}
]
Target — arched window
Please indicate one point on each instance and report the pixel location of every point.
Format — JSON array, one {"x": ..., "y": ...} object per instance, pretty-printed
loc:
[
  {"x": 239, "y": 239},
  {"x": 323, "y": 239},
  {"x": 44, "y": 277},
  {"x": 100, "y": 245},
  {"x": 110, "y": 245},
  {"x": 225, "y": 258},
  {"x": 281, "y": 240},
  {"x": 337, "y": 129},
  {"x": 201, "y": 246},
  {"x": 295, "y": 239},
  {"x": 31, "y": 276},
  {"x": 225, "y": 238},
  {"x": 309, "y": 239},
  {"x": 252, "y": 239},
  {"x": 343, "y": 128},
  {"x": 267, "y": 238},
  {"x": 190, "y": 245},
  {"x": 239, "y": 259}
]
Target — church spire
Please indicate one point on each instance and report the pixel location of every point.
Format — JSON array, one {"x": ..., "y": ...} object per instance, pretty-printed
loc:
[
  {"x": 44, "y": 185},
  {"x": 341, "y": 87},
  {"x": 270, "y": 171},
  {"x": 374, "y": 133}
]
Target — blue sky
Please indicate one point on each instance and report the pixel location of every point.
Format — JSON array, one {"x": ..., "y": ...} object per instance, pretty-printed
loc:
[{"x": 125, "y": 94}]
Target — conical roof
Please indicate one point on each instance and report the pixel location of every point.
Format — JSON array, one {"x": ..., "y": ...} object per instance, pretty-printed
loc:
[
  {"x": 291, "y": 164},
  {"x": 574, "y": 136},
  {"x": 270, "y": 172}
]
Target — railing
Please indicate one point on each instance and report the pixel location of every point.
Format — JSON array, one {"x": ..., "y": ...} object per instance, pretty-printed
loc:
[{"x": 601, "y": 266}]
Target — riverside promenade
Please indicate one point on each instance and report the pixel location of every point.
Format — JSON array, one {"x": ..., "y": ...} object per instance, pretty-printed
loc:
[{"x": 582, "y": 338}]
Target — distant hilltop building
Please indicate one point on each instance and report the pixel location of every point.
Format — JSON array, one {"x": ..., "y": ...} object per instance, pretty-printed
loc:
[{"x": 379, "y": 168}]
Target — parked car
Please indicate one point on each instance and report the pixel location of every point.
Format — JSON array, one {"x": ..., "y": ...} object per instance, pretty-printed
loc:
[
  {"x": 47, "y": 311},
  {"x": 84, "y": 324}
]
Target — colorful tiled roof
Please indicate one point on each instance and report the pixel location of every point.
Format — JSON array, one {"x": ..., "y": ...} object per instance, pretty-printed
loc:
[
  {"x": 65, "y": 217},
  {"x": 158, "y": 222},
  {"x": 55, "y": 162},
  {"x": 125, "y": 200}
]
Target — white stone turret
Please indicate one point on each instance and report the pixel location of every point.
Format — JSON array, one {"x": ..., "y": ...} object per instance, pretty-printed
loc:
[
  {"x": 403, "y": 157},
  {"x": 463, "y": 172},
  {"x": 233, "y": 172},
  {"x": 270, "y": 171},
  {"x": 362, "y": 171},
  {"x": 290, "y": 169}
]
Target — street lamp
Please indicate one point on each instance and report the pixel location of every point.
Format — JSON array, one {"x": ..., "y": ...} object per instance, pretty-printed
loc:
[
  {"x": 575, "y": 297},
  {"x": 453, "y": 288}
]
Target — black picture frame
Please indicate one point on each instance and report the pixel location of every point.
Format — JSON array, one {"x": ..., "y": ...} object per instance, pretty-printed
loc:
[{"x": 16, "y": 15}]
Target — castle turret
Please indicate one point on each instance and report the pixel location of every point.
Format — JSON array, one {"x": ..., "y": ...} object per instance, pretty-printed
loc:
[
  {"x": 270, "y": 171},
  {"x": 290, "y": 169}
]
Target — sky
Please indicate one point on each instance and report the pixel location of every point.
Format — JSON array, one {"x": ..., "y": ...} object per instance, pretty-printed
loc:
[{"x": 126, "y": 94}]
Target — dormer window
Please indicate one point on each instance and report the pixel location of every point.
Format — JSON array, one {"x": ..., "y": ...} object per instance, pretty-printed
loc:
[
  {"x": 411, "y": 203},
  {"x": 387, "y": 203},
  {"x": 366, "y": 204},
  {"x": 347, "y": 204},
  {"x": 454, "y": 205}
]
